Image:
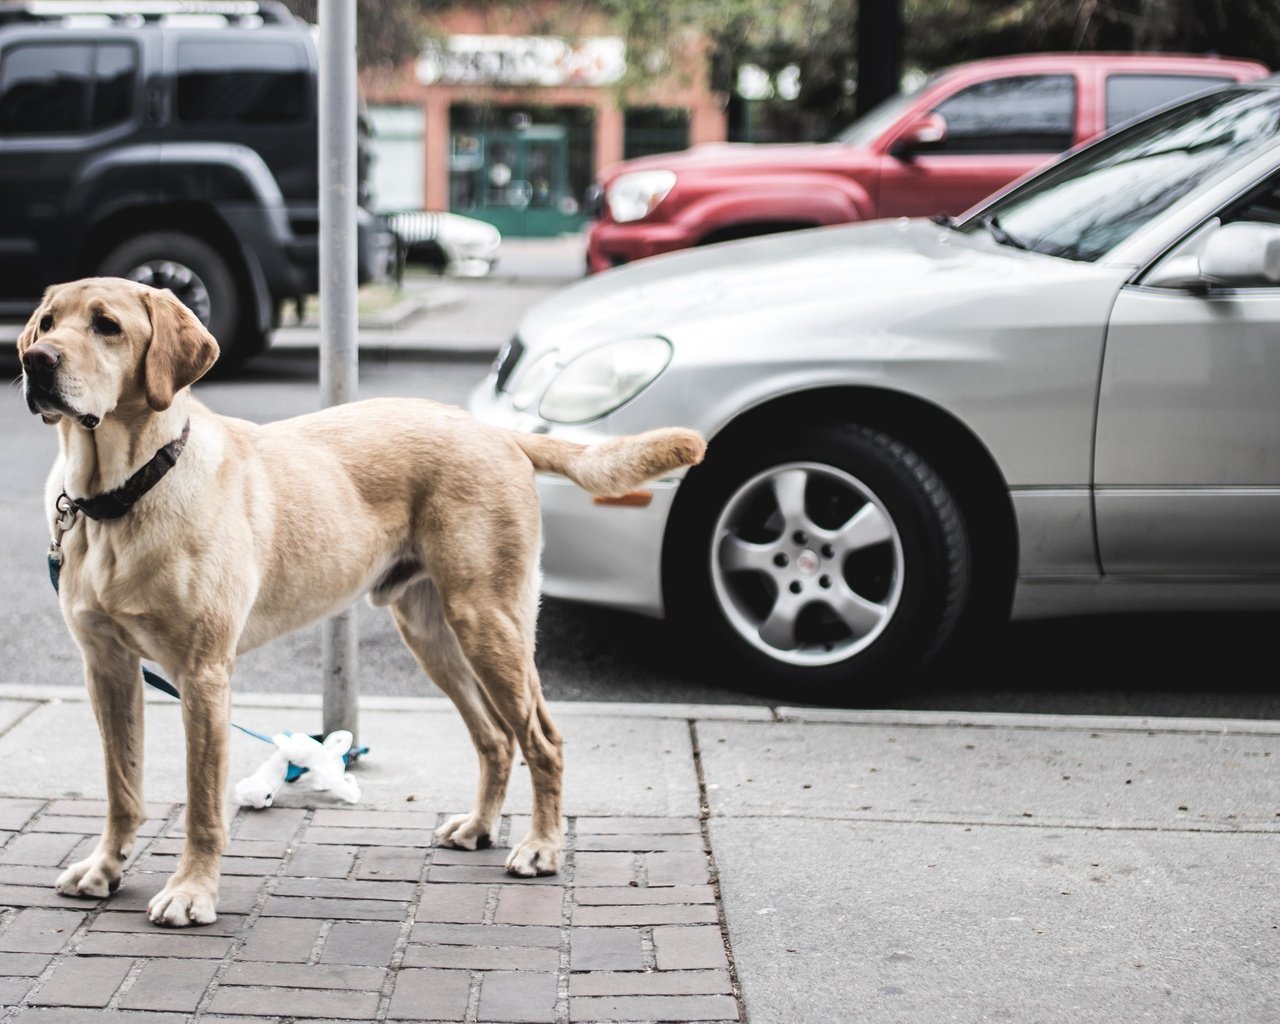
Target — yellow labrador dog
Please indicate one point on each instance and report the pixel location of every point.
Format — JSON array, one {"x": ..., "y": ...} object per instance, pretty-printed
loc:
[{"x": 204, "y": 536}]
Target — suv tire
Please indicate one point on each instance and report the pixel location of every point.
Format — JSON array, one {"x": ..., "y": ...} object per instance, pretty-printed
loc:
[{"x": 198, "y": 275}]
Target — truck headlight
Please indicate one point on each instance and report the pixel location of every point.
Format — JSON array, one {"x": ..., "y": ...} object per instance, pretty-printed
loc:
[
  {"x": 633, "y": 196},
  {"x": 598, "y": 381}
]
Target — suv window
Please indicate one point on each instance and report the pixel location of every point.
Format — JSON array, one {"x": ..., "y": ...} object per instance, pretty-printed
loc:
[
  {"x": 220, "y": 81},
  {"x": 1023, "y": 114},
  {"x": 62, "y": 89},
  {"x": 1131, "y": 95}
]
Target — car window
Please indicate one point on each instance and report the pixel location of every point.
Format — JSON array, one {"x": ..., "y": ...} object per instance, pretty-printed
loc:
[
  {"x": 1022, "y": 114},
  {"x": 868, "y": 127},
  {"x": 1131, "y": 95},
  {"x": 221, "y": 81},
  {"x": 1262, "y": 206},
  {"x": 61, "y": 89},
  {"x": 1084, "y": 206}
]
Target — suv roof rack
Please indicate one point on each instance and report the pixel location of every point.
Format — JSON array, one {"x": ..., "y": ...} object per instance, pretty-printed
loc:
[{"x": 137, "y": 12}]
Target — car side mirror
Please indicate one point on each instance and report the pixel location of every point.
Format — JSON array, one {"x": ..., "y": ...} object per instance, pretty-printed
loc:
[
  {"x": 1242, "y": 253},
  {"x": 1181, "y": 268},
  {"x": 926, "y": 130},
  {"x": 1180, "y": 272}
]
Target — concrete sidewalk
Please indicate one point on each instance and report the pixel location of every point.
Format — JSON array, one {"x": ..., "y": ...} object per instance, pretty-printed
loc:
[
  {"x": 467, "y": 317},
  {"x": 723, "y": 864}
]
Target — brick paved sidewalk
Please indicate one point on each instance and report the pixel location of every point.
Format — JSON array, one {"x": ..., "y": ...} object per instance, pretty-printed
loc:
[{"x": 344, "y": 914}]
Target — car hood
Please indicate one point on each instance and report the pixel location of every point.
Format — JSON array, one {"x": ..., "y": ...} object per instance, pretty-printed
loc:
[
  {"x": 727, "y": 157},
  {"x": 883, "y": 277}
]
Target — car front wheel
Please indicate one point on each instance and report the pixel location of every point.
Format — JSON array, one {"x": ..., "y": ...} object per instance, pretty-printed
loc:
[{"x": 830, "y": 563}]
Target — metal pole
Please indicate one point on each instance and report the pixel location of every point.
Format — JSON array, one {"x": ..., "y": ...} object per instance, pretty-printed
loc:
[{"x": 339, "y": 354}]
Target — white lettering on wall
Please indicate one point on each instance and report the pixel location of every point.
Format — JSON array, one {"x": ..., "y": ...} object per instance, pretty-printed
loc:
[{"x": 522, "y": 60}]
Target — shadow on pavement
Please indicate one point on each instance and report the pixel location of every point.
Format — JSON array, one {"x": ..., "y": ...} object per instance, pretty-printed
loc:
[{"x": 1179, "y": 665}]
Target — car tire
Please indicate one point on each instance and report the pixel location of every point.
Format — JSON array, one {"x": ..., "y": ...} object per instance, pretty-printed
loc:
[
  {"x": 429, "y": 254},
  {"x": 198, "y": 275},
  {"x": 823, "y": 567}
]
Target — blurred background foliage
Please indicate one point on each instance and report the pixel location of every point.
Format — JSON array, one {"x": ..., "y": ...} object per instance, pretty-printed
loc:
[{"x": 807, "y": 50}]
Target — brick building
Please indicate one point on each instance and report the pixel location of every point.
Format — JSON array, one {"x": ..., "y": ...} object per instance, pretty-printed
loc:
[{"x": 503, "y": 119}]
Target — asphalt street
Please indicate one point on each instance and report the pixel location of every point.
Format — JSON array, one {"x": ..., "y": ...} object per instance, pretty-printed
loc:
[{"x": 1167, "y": 665}]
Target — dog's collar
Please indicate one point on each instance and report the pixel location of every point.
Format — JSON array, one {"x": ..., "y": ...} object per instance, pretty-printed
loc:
[{"x": 115, "y": 504}]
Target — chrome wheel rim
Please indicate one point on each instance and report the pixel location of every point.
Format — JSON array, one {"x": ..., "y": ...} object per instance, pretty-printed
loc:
[
  {"x": 180, "y": 279},
  {"x": 807, "y": 564}
]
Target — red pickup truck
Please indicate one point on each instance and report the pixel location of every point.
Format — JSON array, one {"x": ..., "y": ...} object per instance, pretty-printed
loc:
[{"x": 967, "y": 132}]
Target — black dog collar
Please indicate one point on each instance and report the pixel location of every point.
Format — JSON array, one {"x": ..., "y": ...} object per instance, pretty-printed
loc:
[{"x": 115, "y": 504}]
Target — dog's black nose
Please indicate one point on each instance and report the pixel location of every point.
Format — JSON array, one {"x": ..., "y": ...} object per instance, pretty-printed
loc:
[{"x": 40, "y": 360}]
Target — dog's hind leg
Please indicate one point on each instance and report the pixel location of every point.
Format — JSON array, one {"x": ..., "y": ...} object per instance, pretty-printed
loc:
[
  {"x": 498, "y": 639},
  {"x": 419, "y": 616},
  {"x": 114, "y": 679},
  {"x": 539, "y": 852}
]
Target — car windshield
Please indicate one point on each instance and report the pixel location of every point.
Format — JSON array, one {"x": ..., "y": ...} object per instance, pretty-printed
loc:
[
  {"x": 1087, "y": 205},
  {"x": 869, "y": 126}
]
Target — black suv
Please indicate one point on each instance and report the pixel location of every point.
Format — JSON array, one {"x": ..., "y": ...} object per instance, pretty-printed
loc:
[{"x": 170, "y": 143}]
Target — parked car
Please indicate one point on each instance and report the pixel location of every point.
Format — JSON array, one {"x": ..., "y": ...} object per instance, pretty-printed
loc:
[
  {"x": 171, "y": 143},
  {"x": 967, "y": 132},
  {"x": 447, "y": 243},
  {"x": 1064, "y": 402}
]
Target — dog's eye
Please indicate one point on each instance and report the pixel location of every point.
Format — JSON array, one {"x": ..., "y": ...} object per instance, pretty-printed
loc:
[
  {"x": 105, "y": 325},
  {"x": 46, "y": 323}
]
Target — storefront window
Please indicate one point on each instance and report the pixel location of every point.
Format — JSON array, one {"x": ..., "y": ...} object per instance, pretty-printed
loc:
[{"x": 524, "y": 169}]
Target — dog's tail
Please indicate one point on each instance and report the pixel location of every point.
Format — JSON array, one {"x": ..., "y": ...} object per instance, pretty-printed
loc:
[{"x": 611, "y": 468}]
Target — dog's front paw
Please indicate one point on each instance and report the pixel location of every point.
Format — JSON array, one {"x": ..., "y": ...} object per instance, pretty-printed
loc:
[
  {"x": 534, "y": 856},
  {"x": 92, "y": 878},
  {"x": 465, "y": 832},
  {"x": 183, "y": 903}
]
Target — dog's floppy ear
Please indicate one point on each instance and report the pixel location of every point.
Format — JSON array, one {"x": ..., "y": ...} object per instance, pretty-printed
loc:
[
  {"x": 181, "y": 349},
  {"x": 28, "y": 336}
]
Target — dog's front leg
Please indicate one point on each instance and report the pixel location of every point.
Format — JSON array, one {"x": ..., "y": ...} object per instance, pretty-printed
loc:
[
  {"x": 114, "y": 679},
  {"x": 191, "y": 894}
]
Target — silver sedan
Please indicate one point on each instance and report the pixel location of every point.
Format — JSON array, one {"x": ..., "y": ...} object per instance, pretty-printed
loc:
[{"x": 1064, "y": 402}]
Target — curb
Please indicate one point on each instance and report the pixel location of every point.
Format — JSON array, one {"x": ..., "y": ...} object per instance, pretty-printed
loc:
[
  {"x": 425, "y": 300},
  {"x": 782, "y": 715},
  {"x": 382, "y": 347}
]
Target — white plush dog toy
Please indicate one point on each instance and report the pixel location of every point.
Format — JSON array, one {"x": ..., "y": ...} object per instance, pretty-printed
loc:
[{"x": 323, "y": 763}]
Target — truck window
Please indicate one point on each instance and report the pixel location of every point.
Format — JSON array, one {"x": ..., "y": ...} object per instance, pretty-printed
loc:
[
  {"x": 113, "y": 90},
  {"x": 1131, "y": 95},
  {"x": 62, "y": 89},
  {"x": 1022, "y": 114},
  {"x": 221, "y": 81}
]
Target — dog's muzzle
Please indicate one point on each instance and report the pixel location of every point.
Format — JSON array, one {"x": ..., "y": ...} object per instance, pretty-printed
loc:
[
  {"x": 40, "y": 362},
  {"x": 40, "y": 365}
]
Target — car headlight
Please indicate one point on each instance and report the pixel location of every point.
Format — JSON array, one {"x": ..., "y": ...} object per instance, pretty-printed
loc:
[
  {"x": 531, "y": 381},
  {"x": 633, "y": 196},
  {"x": 597, "y": 382}
]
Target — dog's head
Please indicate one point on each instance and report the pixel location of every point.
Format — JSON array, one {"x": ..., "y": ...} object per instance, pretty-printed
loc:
[{"x": 103, "y": 343}]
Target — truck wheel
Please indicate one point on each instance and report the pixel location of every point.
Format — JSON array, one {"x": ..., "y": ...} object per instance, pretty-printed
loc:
[
  {"x": 195, "y": 272},
  {"x": 827, "y": 565}
]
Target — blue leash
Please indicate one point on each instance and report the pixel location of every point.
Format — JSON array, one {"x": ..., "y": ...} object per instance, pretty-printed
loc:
[{"x": 164, "y": 686}]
